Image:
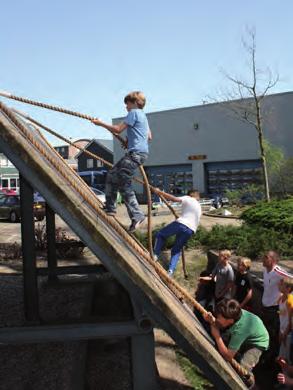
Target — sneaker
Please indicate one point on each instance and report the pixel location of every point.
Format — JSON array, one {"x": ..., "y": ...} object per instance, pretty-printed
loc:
[
  {"x": 155, "y": 258},
  {"x": 170, "y": 273},
  {"x": 109, "y": 212},
  {"x": 135, "y": 224}
]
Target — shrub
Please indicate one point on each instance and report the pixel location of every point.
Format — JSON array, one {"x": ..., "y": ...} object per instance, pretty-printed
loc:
[
  {"x": 66, "y": 247},
  {"x": 277, "y": 215},
  {"x": 246, "y": 240}
]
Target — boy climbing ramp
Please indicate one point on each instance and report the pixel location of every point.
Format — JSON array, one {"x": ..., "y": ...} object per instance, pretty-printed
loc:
[{"x": 119, "y": 178}]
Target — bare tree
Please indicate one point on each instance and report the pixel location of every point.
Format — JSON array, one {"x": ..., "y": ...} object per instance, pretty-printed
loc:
[{"x": 246, "y": 97}]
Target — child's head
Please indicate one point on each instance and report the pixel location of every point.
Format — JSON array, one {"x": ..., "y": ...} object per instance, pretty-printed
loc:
[
  {"x": 244, "y": 264},
  {"x": 227, "y": 312},
  {"x": 135, "y": 99},
  {"x": 224, "y": 256},
  {"x": 286, "y": 285}
]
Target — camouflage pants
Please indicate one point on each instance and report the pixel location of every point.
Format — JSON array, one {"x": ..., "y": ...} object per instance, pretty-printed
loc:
[{"x": 119, "y": 178}]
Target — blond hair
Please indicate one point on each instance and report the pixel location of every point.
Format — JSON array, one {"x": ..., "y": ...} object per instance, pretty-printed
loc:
[
  {"x": 245, "y": 261},
  {"x": 136, "y": 97},
  {"x": 225, "y": 252}
]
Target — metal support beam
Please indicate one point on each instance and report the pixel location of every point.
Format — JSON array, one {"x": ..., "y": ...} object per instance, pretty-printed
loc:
[
  {"x": 51, "y": 243},
  {"x": 64, "y": 333},
  {"x": 76, "y": 269},
  {"x": 144, "y": 370},
  {"x": 31, "y": 299}
]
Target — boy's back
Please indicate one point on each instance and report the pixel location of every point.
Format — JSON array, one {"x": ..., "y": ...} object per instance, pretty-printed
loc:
[{"x": 137, "y": 131}]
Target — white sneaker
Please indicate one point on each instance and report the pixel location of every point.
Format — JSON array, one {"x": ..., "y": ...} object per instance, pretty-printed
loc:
[
  {"x": 170, "y": 273},
  {"x": 135, "y": 224},
  {"x": 155, "y": 258}
]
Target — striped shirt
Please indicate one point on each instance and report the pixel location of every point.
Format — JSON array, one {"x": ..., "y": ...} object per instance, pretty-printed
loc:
[{"x": 271, "y": 292}]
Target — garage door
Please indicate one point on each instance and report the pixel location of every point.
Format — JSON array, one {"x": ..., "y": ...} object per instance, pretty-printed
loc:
[
  {"x": 232, "y": 175},
  {"x": 174, "y": 179}
]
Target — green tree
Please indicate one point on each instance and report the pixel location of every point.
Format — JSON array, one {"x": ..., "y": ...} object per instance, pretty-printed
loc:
[{"x": 275, "y": 162}]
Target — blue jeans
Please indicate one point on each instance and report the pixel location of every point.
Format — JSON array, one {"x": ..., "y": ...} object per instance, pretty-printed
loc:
[
  {"x": 119, "y": 178},
  {"x": 182, "y": 232}
]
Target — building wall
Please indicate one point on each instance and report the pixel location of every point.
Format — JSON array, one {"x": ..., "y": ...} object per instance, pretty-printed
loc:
[
  {"x": 100, "y": 151},
  {"x": 9, "y": 177},
  {"x": 212, "y": 130}
]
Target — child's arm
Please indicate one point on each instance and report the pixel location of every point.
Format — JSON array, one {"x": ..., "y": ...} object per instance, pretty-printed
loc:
[
  {"x": 116, "y": 129},
  {"x": 286, "y": 368},
  {"x": 150, "y": 136},
  {"x": 284, "y": 379},
  {"x": 205, "y": 278},
  {"x": 229, "y": 286},
  {"x": 168, "y": 196},
  {"x": 247, "y": 298},
  {"x": 227, "y": 353}
]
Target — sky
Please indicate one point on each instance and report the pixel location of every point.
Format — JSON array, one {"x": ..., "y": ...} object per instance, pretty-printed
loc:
[{"x": 87, "y": 55}]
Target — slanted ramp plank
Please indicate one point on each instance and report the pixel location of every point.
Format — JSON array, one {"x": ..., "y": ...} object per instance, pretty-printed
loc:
[{"x": 130, "y": 268}]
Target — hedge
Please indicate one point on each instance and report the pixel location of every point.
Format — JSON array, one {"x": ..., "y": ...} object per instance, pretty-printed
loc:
[
  {"x": 277, "y": 215},
  {"x": 246, "y": 240}
]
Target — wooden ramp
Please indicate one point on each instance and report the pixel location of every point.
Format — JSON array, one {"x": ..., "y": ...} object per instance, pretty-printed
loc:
[{"x": 45, "y": 170}]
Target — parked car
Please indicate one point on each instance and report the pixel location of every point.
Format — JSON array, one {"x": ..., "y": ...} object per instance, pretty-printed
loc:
[
  {"x": 205, "y": 202},
  {"x": 100, "y": 194},
  {"x": 10, "y": 207}
]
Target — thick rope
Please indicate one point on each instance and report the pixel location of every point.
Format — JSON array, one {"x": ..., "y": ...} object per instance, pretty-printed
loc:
[
  {"x": 182, "y": 252},
  {"x": 149, "y": 198},
  {"x": 74, "y": 113},
  {"x": 59, "y": 109},
  {"x": 178, "y": 291}
]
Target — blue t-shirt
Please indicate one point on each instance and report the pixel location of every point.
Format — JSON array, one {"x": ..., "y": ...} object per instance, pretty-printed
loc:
[{"x": 137, "y": 131}]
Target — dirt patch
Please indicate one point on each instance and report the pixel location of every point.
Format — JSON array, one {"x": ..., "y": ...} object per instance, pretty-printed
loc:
[{"x": 171, "y": 374}]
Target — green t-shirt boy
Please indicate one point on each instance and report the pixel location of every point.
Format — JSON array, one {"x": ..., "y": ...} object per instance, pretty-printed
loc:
[{"x": 249, "y": 329}]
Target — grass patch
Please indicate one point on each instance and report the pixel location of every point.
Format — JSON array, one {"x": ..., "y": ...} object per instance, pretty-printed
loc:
[
  {"x": 196, "y": 262},
  {"x": 195, "y": 377}
]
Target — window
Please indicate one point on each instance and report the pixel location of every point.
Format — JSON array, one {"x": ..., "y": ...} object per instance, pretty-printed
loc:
[
  {"x": 89, "y": 163},
  {"x": 5, "y": 183},
  {"x": 3, "y": 162},
  {"x": 99, "y": 163},
  {"x": 12, "y": 183}
]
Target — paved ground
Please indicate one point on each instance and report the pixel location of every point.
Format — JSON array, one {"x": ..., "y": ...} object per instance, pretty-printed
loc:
[{"x": 10, "y": 232}]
